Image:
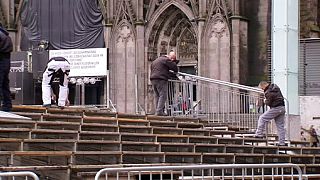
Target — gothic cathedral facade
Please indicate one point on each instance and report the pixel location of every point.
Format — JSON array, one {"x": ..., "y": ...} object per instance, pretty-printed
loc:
[
  {"x": 221, "y": 39},
  {"x": 210, "y": 38}
]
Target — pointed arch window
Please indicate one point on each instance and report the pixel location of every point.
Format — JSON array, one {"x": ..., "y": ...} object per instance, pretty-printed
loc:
[{"x": 187, "y": 45}]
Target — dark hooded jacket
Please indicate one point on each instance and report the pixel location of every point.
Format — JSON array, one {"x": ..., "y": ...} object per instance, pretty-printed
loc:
[
  {"x": 160, "y": 68},
  {"x": 274, "y": 97},
  {"x": 5, "y": 42}
]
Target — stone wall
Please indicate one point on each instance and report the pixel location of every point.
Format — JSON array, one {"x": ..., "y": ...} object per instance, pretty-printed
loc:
[
  {"x": 309, "y": 19},
  {"x": 199, "y": 31},
  {"x": 259, "y": 14},
  {"x": 8, "y": 12},
  {"x": 309, "y": 111}
]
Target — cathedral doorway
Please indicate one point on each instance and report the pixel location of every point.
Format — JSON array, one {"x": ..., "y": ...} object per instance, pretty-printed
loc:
[{"x": 172, "y": 30}]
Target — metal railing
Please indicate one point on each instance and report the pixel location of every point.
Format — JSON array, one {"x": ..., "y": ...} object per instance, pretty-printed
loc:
[
  {"x": 22, "y": 174},
  {"x": 216, "y": 171},
  {"x": 215, "y": 100}
]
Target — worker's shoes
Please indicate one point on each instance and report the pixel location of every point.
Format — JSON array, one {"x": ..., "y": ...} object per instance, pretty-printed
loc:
[{"x": 47, "y": 105}]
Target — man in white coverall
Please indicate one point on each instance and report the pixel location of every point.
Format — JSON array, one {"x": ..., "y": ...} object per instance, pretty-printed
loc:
[{"x": 57, "y": 67}]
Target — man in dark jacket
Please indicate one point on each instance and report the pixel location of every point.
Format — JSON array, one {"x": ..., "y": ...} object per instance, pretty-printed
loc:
[
  {"x": 6, "y": 48},
  {"x": 160, "y": 73},
  {"x": 275, "y": 100}
]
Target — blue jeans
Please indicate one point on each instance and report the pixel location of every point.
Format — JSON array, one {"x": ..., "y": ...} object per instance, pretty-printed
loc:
[{"x": 4, "y": 82}]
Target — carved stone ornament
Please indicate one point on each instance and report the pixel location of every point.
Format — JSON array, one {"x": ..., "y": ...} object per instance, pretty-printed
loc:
[
  {"x": 124, "y": 34},
  {"x": 218, "y": 28},
  {"x": 188, "y": 48},
  {"x": 159, "y": 2}
]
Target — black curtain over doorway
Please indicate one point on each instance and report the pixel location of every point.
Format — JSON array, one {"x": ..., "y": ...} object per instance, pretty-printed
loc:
[{"x": 64, "y": 24}]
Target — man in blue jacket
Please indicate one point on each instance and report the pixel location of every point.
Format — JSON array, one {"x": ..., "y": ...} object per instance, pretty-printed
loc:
[
  {"x": 160, "y": 73},
  {"x": 6, "y": 48}
]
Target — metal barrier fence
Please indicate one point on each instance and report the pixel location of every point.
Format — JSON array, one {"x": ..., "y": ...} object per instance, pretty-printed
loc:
[
  {"x": 215, "y": 100},
  {"x": 21, "y": 174},
  {"x": 192, "y": 172}
]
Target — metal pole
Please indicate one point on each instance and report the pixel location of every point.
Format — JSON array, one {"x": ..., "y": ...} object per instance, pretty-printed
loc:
[
  {"x": 83, "y": 97},
  {"x": 198, "y": 167},
  {"x": 22, "y": 173},
  {"x": 77, "y": 95},
  {"x": 105, "y": 99},
  {"x": 220, "y": 82},
  {"x": 136, "y": 92},
  {"x": 107, "y": 91}
]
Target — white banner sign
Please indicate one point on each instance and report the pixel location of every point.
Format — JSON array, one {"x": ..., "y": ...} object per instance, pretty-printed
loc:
[{"x": 84, "y": 62}]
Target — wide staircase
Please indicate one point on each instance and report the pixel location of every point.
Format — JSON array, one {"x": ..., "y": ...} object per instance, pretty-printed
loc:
[{"x": 74, "y": 143}]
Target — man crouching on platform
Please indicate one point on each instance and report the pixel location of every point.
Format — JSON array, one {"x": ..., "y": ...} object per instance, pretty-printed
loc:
[
  {"x": 57, "y": 67},
  {"x": 274, "y": 99}
]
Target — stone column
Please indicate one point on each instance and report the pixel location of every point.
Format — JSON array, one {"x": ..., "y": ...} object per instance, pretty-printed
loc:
[
  {"x": 239, "y": 58},
  {"x": 110, "y": 11},
  {"x": 106, "y": 88},
  {"x": 8, "y": 10},
  {"x": 201, "y": 22},
  {"x": 140, "y": 63},
  {"x": 235, "y": 50},
  {"x": 140, "y": 58},
  {"x": 4, "y": 10},
  {"x": 202, "y": 8},
  {"x": 235, "y": 42},
  {"x": 107, "y": 40},
  {"x": 139, "y": 10},
  {"x": 11, "y": 15}
]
